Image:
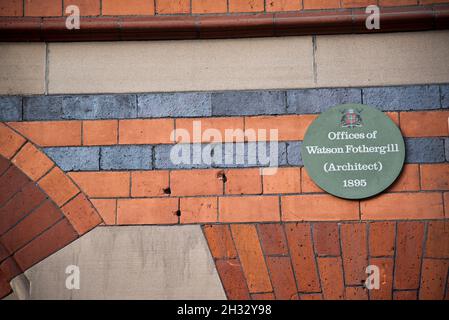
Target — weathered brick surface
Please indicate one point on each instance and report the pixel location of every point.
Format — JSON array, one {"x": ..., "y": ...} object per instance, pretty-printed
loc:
[
  {"x": 437, "y": 244},
  {"x": 248, "y": 103},
  {"x": 425, "y": 124},
  {"x": 107, "y": 209},
  {"x": 103, "y": 184},
  {"x": 403, "y": 98},
  {"x": 408, "y": 180},
  {"x": 272, "y": 239},
  {"x": 33, "y": 162},
  {"x": 303, "y": 257},
  {"x": 382, "y": 237},
  {"x": 285, "y": 180},
  {"x": 199, "y": 210},
  {"x": 174, "y": 105},
  {"x": 294, "y": 153},
  {"x": 444, "y": 96},
  {"x": 233, "y": 280},
  {"x": 320, "y": 100},
  {"x": 405, "y": 295},
  {"x": 150, "y": 183},
  {"x": 424, "y": 150},
  {"x": 386, "y": 266},
  {"x": 446, "y": 148},
  {"x": 354, "y": 252},
  {"x": 10, "y": 108},
  {"x": 220, "y": 241},
  {"x": 75, "y": 158},
  {"x": 81, "y": 214},
  {"x": 326, "y": 239},
  {"x": 11, "y": 182},
  {"x": 288, "y": 128},
  {"x": 408, "y": 255},
  {"x": 100, "y": 133},
  {"x": 126, "y": 158},
  {"x": 222, "y": 129},
  {"x": 10, "y": 142},
  {"x": 435, "y": 177},
  {"x": 243, "y": 181},
  {"x": 249, "y": 209},
  {"x": 58, "y": 186},
  {"x": 356, "y": 293},
  {"x": 433, "y": 279},
  {"x": 196, "y": 182},
  {"x": 251, "y": 257},
  {"x": 147, "y": 211},
  {"x": 331, "y": 277},
  {"x": 147, "y": 131},
  {"x": 282, "y": 278}
]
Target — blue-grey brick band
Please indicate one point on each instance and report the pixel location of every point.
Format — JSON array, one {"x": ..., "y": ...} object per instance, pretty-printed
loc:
[
  {"x": 10, "y": 108},
  {"x": 446, "y": 146},
  {"x": 227, "y": 155},
  {"x": 174, "y": 105},
  {"x": 403, "y": 98},
  {"x": 126, "y": 158},
  {"x": 230, "y": 103},
  {"x": 75, "y": 158},
  {"x": 242, "y": 103},
  {"x": 320, "y": 100}
]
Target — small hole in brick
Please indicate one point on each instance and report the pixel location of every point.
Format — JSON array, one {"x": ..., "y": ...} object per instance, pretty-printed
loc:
[
  {"x": 167, "y": 191},
  {"x": 178, "y": 213},
  {"x": 221, "y": 175}
]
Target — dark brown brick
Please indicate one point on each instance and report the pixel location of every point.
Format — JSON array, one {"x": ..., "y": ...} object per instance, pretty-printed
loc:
[
  {"x": 20, "y": 205},
  {"x": 355, "y": 257},
  {"x": 386, "y": 266},
  {"x": 220, "y": 241},
  {"x": 326, "y": 239},
  {"x": 4, "y": 164},
  {"x": 303, "y": 257},
  {"x": 232, "y": 278},
  {"x": 433, "y": 279},
  {"x": 381, "y": 238},
  {"x": 34, "y": 224},
  {"x": 437, "y": 245},
  {"x": 57, "y": 237},
  {"x": 10, "y": 268},
  {"x": 331, "y": 274},
  {"x": 3, "y": 253},
  {"x": 272, "y": 239},
  {"x": 408, "y": 255},
  {"x": 282, "y": 278},
  {"x": 10, "y": 182}
]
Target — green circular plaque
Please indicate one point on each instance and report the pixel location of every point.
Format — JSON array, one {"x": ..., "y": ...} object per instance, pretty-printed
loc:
[{"x": 353, "y": 151}]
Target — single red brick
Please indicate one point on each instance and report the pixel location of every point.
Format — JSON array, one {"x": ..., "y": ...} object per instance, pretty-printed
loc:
[
  {"x": 55, "y": 238},
  {"x": 10, "y": 142},
  {"x": 357, "y": 3},
  {"x": 81, "y": 214},
  {"x": 282, "y": 278},
  {"x": 209, "y": 6},
  {"x": 11, "y": 8},
  {"x": 289, "y": 127},
  {"x": 100, "y": 132},
  {"x": 128, "y": 7},
  {"x": 393, "y": 3},
  {"x": 283, "y": 5},
  {"x": 147, "y": 131},
  {"x": 249, "y": 209},
  {"x": 3, "y": 252},
  {"x": 408, "y": 180},
  {"x": 232, "y": 279},
  {"x": 30, "y": 227},
  {"x": 172, "y": 6},
  {"x": 321, "y": 4},
  {"x": 10, "y": 182},
  {"x": 285, "y": 180},
  {"x": 103, "y": 184},
  {"x": 356, "y": 293},
  {"x": 435, "y": 176},
  {"x": 199, "y": 210},
  {"x": 196, "y": 182},
  {"x": 50, "y": 133},
  {"x": 385, "y": 266},
  {"x": 427, "y": 205},
  {"x": 307, "y": 184},
  {"x": 326, "y": 239},
  {"x": 246, "y": 5},
  {"x": 381, "y": 238},
  {"x": 107, "y": 209},
  {"x": 87, "y": 7},
  {"x": 150, "y": 183},
  {"x": 405, "y": 295},
  {"x": 354, "y": 252},
  {"x": 272, "y": 239},
  {"x": 224, "y": 129},
  {"x": 263, "y": 296},
  {"x": 433, "y": 279},
  {"x": 251, "y": 257},
  {"x": 408, "y": 255},
  {"x": 20, "y": 205},
  {"x": 220, "y": 241},
  {"x": 243, "y": 181},
  {"x": 43, "y": 8},
  {"x": 299, "y": 239},
  {"x": 424, "y": 124},
  {"x": 58, "y": 186},
  {"x": 33, "y": 162},
  {"x": 437, "y": 245},
  {"x": 147, "y": 211},
  {"x": 331, "y": 274}
]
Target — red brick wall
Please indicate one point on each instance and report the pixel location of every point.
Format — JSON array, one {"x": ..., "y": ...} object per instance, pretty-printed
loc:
[{"x": 45, "y": 8}]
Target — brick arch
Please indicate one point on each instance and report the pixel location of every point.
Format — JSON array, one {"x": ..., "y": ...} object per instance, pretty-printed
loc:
[{"x": 41, "y": 209}]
